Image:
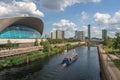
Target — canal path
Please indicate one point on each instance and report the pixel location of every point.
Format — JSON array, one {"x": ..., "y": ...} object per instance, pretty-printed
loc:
[{"x": 86, "y": 67}]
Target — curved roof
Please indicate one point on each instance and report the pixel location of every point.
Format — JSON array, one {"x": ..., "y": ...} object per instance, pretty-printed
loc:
[{"x": 32, "y": 22}]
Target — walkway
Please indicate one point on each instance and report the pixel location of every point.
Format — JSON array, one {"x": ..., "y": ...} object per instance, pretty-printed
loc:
[
  {"x": 112, "y": 72},
  {"x": 18, "y": 51},
  {"x": 71, "y": 43}
]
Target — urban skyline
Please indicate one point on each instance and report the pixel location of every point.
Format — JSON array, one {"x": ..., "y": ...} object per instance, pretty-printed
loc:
[
  {"x": 104, "y": 34},
  {"x": 58, "y": 34},
  {"x": 99, "y": 13},
  {"x": 80, "y": 35},
  {"x": 89, "y": 32}
]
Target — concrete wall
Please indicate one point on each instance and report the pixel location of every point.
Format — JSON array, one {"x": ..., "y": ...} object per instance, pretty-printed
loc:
[{"x": 105, "y": 72}]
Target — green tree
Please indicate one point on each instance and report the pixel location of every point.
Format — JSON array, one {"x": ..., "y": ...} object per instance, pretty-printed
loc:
[
  {"x": 9, "y": 44},
  {"x": 110, "y": 42},
  {"x": 105, "y": 42},
  {"x": 46, "y": 45},
  {"x": 36, "y": 42},
  {"x": 117, "y": 41},
  {"x": 41, "y": 43}
]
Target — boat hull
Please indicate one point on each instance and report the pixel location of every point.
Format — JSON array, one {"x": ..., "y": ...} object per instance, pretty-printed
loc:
[{"x": 68, "y": 61}]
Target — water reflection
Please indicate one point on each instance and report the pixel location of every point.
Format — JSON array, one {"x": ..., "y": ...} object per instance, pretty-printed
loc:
[{"x": 50, "y": 68}]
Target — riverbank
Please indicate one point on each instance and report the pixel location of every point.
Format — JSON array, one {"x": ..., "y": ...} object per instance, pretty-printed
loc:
[
  {"x": 31, "y": 56},
  {"x": 114, "y": 54},
  {"x": 108, "y": 70},
  {"x": 50, "y": 68}
]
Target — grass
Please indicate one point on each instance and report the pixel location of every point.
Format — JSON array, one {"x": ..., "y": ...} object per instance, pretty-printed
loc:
[
  {"x": 117, "y": 63},
  {"x": 17, "y": 60},
  {"x": 111, "y": 50},
  {"x": 21, "y": 59}
]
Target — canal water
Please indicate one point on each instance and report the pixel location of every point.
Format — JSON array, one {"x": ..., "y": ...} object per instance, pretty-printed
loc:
[{"x": 86, "y": 67}]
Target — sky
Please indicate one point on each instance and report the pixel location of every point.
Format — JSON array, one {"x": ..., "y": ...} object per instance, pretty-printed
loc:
[{"x": 68, "y": 15}]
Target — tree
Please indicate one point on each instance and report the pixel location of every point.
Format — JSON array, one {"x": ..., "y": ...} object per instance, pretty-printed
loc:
[
  {"x": 105, "y": 42},
  {"x": 36, "y": 42},
  {"x": 117, "y": 41},
  {"x": 46, "y": 46},
  {"x": 41, "y": 43},
  {"x": 110, "y": 42},
  {"x": 9, "y": 44}
]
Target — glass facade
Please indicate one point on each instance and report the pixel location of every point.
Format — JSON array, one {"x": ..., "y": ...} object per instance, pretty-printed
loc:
[{"x": 19, "y": 31}]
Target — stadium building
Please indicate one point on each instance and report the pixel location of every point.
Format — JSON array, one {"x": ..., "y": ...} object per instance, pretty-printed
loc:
[{"x": 22, "y": 31}]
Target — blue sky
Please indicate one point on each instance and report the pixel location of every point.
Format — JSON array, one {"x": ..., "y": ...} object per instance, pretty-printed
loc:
[{"x": 68, "y": 15}]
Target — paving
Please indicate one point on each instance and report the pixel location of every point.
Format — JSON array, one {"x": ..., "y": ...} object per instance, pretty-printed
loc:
[
  {"x": 112, "y": 71},
  {"x": 18, "y": 51}
]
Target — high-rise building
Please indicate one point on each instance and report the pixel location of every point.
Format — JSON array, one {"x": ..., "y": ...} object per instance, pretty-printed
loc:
[
  {"x": 58, "y": 34},
  {"x": 46, "y": 36},
  {"x": 53, "y": 34},
  {"x": 80, "y": 35},
  {"x": 104, "y": 34},
  {"x": 89, "y": 32}
]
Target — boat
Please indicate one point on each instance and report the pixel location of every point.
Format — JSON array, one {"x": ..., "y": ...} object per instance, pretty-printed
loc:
[{"x": 70, "y": 59}]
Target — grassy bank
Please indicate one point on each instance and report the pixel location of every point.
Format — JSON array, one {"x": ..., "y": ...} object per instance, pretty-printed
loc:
[
  {"x": 117, "y": 63},
  {"x": 111, "y": 50},
  {"x": 32, "y": 56},
  {"x": 21, "y": 59}
]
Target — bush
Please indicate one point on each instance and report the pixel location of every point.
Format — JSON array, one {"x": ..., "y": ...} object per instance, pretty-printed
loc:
[
  {"x": 117, "y": 63},
  {"x": 9, "y": 44},
  {"x": 36, "y": 42}
]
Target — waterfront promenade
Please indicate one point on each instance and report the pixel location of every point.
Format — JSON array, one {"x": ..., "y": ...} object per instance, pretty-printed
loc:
[
  {"x": 18, "y": 51},
  {"x": 71, "y": 43},
  {"x": 111, "y": 72}
]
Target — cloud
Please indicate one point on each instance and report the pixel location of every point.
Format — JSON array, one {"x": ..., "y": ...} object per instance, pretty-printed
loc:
[
  {"x": 60, "y": 5},
  {"x": 95, "y": 31},
  {"x": 66, "y": 25},
  {"x": 115, "y": 22},
  {"x": 10, "y": 8},
  {"x": 84, "y": 16},
  {"x": 70, "y": 28},
  {"x": 102, "y": 18},
  {"x": 109, "y": 22},
  {"x": 116, "y": 18}
]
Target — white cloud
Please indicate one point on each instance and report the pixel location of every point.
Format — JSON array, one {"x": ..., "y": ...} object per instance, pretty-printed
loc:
[
  {"x": 70, "y": 28},
  {"x": 109, "y": 22},
  {"x": 96, "y": 32},
  {"x": 60, "y": 5},
  {"x": 84, "y": 16},
  {"x": 10, "y": 8},
  {"x": 66, "y": 25},
  {"x": 102, "y": 18},
  {"x": 116, "y": 18}
]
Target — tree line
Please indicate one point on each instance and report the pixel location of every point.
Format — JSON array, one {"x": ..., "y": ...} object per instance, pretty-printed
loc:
[{"x": 113, "y": 42}]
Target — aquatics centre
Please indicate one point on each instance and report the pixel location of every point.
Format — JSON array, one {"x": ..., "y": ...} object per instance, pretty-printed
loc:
[{"x": 21, "y": 30}]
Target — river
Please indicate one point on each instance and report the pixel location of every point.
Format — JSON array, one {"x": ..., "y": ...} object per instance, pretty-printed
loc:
[{"x": 86, "y": 67}]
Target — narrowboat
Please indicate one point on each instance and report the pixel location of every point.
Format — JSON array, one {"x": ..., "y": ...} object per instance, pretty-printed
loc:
[{"x": 69, "y": 59}]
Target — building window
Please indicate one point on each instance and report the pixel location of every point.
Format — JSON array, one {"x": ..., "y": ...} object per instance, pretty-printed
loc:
[{"x": 19, "y": 31}]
